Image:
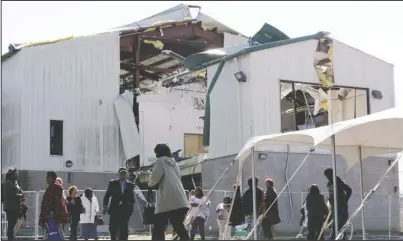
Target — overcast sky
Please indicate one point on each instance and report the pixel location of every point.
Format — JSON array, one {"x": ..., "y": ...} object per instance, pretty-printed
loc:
[{"x": 374, "y": 27}]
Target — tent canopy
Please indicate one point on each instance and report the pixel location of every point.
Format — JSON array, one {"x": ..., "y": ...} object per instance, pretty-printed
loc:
[{"x": 376, "y": 134}]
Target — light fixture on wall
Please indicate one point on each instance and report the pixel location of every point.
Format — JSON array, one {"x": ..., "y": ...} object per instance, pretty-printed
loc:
[
  {"x": 377, "y": 94},
  {"x": 240, "y": 76},
  {"x": 262, "y": 156},
  {"x": 69, "y": 163}
]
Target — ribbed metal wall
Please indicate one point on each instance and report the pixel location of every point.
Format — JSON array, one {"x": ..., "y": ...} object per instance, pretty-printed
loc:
[{"x": 74, "y": 81}]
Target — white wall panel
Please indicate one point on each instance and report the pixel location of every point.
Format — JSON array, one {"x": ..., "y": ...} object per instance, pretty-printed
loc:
[
  {"x": 355, "y": 68},
  {"x": 166, "y": 118},
  {"x": 11, "y": 80},
  {"x": 75, "y": 81},
  {"x": 260, "y": 96}
]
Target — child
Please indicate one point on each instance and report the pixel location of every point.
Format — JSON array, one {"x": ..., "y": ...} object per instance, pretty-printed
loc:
[
  {"x": 222, "y": 211},
  {"x": 23, "y": 215},
  {"x": 202, "y": 213}
]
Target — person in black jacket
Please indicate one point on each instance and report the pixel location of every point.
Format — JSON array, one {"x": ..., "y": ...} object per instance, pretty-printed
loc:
[
  {"x": 237, "y": 216},
  {"x": 272, "y": 216},
  {"x": 343, "y": 193},
  {"x": 121, "y": 194},
  {"x": 247, "y": 201},
  {"x": 75, "y": 208},
  {"x": 317, "y": 211},
  {"x": 11, "y": 201}
]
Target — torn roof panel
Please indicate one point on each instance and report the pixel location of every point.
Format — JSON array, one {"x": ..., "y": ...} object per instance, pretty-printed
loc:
[
  {"x": 268, "y": 34},
  {"x": 208, "y": 58},
  {"x": 179, "y": 13}
]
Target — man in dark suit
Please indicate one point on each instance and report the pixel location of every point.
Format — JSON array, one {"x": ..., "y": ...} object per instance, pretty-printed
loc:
[{"x": 120, "y": 192}]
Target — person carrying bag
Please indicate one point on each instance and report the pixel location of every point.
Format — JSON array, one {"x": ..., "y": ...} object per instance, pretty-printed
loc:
[{"x": 149, "y": 209}]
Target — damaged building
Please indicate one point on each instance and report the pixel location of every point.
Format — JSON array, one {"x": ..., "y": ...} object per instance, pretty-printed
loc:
[
  {"x": 277, "y": 84},
  {"x": 85, "y": 106}
]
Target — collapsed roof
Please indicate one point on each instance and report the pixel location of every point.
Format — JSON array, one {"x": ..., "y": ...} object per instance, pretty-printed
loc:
[{"x": 154, "y": 48}]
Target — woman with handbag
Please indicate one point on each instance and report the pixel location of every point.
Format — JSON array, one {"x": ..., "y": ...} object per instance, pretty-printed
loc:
[
  {"x": 75, "y": 208},
  {"x": 88, "y": 219},
  {"x": 171, "y": 201}
]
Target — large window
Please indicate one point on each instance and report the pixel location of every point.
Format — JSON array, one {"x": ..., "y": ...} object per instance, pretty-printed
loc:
[
  {"x": 56, "y": 137},
  {"x": 305, "y": 106}
]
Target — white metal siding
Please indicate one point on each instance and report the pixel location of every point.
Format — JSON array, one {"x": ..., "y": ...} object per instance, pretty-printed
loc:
[
  {"x": 230, "y": 109},
  {"x": 74, "y": 81},
  {"x": 356, "y": 68},
  {"x": 260, "y": 96},
  {"x": 11, "y": 112}
]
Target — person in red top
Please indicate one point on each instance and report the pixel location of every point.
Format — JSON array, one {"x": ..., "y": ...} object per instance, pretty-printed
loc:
[{"x": 53, "y": 205}]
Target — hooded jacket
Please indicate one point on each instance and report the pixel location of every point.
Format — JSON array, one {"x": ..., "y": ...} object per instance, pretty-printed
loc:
[{"x": 170, "y": 193}]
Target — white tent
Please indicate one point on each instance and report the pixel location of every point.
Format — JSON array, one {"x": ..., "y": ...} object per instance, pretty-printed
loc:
[{"x": 375, "y": 134}]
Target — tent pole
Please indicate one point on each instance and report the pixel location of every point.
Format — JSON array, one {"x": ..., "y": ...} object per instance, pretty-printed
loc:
[
  {"x": 254, "y": 192},
  {"x": 370, "y": 193},
  {"x": 362, "y": 194},
  {"x": 335, "y": 203}
]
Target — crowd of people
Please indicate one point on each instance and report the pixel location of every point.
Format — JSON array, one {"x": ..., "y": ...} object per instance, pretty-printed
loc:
[{"x": 171, "y": 206}]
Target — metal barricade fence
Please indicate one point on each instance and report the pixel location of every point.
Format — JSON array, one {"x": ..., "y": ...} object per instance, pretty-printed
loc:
[{"x": 382, "y": 214}]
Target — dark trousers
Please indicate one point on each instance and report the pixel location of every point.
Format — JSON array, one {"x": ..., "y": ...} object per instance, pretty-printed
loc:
[
  {"x": 314, "y": 229},
  {"x": 73, "y": 229},
  {"x": 176, "y": 218},
  {"x": 198, "y": 223},
  {"x": 119, "y": 226},
  {"x": 343, "y": 217},
  {"x": 267, "y": 229},
  {"x": 12, "y": 217}
]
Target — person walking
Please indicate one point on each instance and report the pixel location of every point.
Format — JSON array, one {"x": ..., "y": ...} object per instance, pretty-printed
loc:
[
  {"x": 316, "y": 212},
  {"x": 247, "y": 202},
  {"x": 222, "y": 211},
  {"x": 75, "y": 208},
  {"x": 87, "y": 219},
  {"x": 120, "y": 198},
  {"x": 202, "y": 214},
  {"x": 270, "y": 203},
  {"x": 53, "y": 204},
  {"x": 171, "y": 202},
  {"x": 11, "y": 198},
  {"x": 343, "y": 193},
  {"x": 237, "y": 217}
]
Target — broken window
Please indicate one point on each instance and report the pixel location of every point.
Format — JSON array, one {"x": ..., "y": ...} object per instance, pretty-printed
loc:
[
  {"x": 305, "y": 106},
  {"x": 56, "y": 137}
]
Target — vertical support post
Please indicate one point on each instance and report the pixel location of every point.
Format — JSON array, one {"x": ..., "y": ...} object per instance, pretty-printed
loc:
[
  {"x": 335, "y": 201},
  {"x": 390, "y": 216},
  {"x": 362, "y": 194},
  {"x": 37, "y": 208},
  {"x": 294, "y": 106},
  {"x": 134, "y": 163},
  {"x": 254, "y": 192}
]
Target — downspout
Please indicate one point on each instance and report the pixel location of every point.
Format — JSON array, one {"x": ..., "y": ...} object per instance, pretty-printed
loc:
[{"x": 206, "y": 126}]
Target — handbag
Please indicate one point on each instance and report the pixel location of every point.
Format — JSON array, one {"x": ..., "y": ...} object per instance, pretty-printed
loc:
[
  {"x": 53, "y": 231},
  {"x": 98, "y": 221},
  {"x": 149, "y": 209}
]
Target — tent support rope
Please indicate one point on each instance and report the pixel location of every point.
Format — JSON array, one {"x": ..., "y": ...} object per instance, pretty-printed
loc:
[
  {"x": 278, "y": 195},
  {"x": 369, "y": 195}
]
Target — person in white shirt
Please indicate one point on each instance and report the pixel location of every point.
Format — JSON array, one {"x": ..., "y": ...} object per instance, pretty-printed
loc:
[
  {"x": 222, "y": 211},
  {"x": 202, "y": 214},
  {"x": 87, "y": 219}
]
